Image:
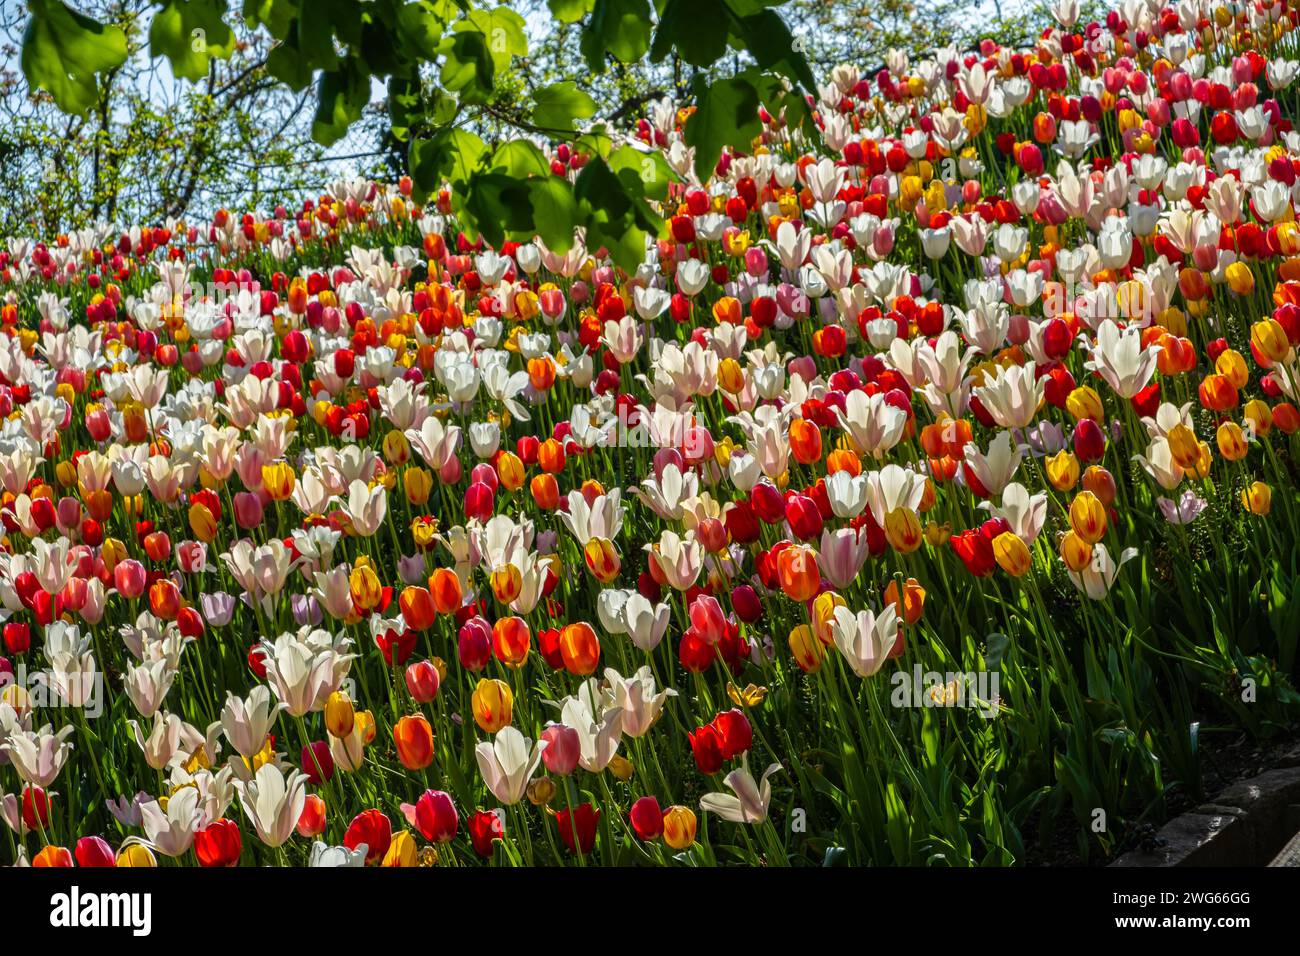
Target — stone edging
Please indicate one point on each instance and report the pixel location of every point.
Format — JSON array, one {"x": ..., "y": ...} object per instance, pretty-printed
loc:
[{"x": 1248, "y": 824}]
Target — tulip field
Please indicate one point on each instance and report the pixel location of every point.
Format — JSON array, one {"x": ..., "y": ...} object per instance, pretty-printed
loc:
[{"x": 926, "y": 496}]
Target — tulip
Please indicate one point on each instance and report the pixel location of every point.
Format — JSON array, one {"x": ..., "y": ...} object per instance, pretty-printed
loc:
[
  {"x": 580, "y": 649},
  {"x": 1088, "y": 517},
  {"x": 434, "y": 815},
  {"x": 423, "y": 681},
  {"x": 248, "y": 509},
  {"x": 485, "y": 828},
  {"x": 218, "y": 844},
  {"x": 311, "y": 822},
  {"x": 806, "y": 649},
  {"x": 647, "y": 819},
  {"x": 910, "y": 608},
  {"x": 52, "y": 856},
  {"x": 418, "y": 483},
  {"x": 679, "y": 827},
  {"x": 372, "y": 828},
  {"x": 798, "y": 572},
  {"x": 418, "y": 608},
  {"x": 340, "y": 717},
  {"x": 1012, "y": 554},
  {"x": 278, "y": 479},
  {"x": 129, "y": 578},
  {"x": 508, "y": 763},
  {"x": 414, "y": 739},
  {"x": 445, "y": 589},
  {"x": 493, "y": 705},
  {"x": 1075, "y": 551},
  {"x": 511, "y": 641},
  {"x": 1258, "y": 498},
  {"x": 93, "y": 851},
  {"x": 136, "y": 855},
  {"x": 577, "y": 828}
]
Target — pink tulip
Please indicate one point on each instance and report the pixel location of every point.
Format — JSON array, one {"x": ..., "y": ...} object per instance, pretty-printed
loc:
[
  {"x": 563, "y": 748},
  {"x": 129, "y": 578}
]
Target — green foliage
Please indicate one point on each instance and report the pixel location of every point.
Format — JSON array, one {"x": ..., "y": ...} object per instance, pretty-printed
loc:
[
  {"x": 64, "y": 51},
  {"x": 150, "y": 147},
  {"x": 190, "y": 33},
  {"x": 458, "y": 80}
]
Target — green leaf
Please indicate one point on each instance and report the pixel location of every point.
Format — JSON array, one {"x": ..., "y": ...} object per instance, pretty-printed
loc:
[
  {"x": 569, "y": 11},
  {"x": 342, "y": 95},
  {"x": 420, "y": 27},
  {"x": 276, "y": 15},
  {"x": 555, "y": 211},
  {"x": 768, "y": 40},
  {"x": 189, "y": 33},
  {"x": 499, "y": 206},
  {"x": 519, "y": 158},
  {"x": 453, "y": 155},
  {"x": 726, "y": 114},
  {"x": 618, "y": 27},
  {"x": 308, "y": 46},
  {"x": 468, "y": 67},
  {"x": 557, "y": 106},
  {"x": 648, "y": 170},
  {"x": 64, "y": 50},
  {"x": 502, "y": 31},
  {"x": 697, "y": 29},
  {"x": 615, "y": 214}
]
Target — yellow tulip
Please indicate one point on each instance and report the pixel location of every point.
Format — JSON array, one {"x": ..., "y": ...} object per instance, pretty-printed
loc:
[
  {"x": 1063, "y": 470},
  {"x": 1088, "y": 517},
  {"x": 1012, "y": 554},
  {"x": 493, "y": 704},
  {"x": 679, "y": 827},
  {"x": 1258, "y": 498}
]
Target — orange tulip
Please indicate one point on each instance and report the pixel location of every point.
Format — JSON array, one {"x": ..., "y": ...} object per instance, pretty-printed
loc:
[
  {"x": 417, "y": 608},
  {"x": 798, "y": 572},
  {"x": 445, "y": 589},
  {"x": 580, "y": 649},
  {"x": 843, "y": 459},
  {"x": 551, "y": 457},
  {"x": 912, "y": 606},
  {"x": 805, "y": 441},
  {"x": 414, "y": 739},
  {"x": 165, "y": 599},
  {"x": 511, "y": 641},
  {"x": 546, "y": 492}
]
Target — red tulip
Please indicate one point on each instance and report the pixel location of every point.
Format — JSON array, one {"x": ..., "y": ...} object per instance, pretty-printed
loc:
[
  {"x": 374, "y": 830},
  {"x": 484, "y": 828},
  {"x": 581, "y": 823},
  {"x": 647, "y": 819},
  {"x": 93, "y": 851},
  {"x": 434, "y": 815},
  {"x": 218, "y": 844}
]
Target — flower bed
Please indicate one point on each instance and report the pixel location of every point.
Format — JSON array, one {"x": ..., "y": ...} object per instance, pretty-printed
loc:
[{"x": 922, "y": 495}]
